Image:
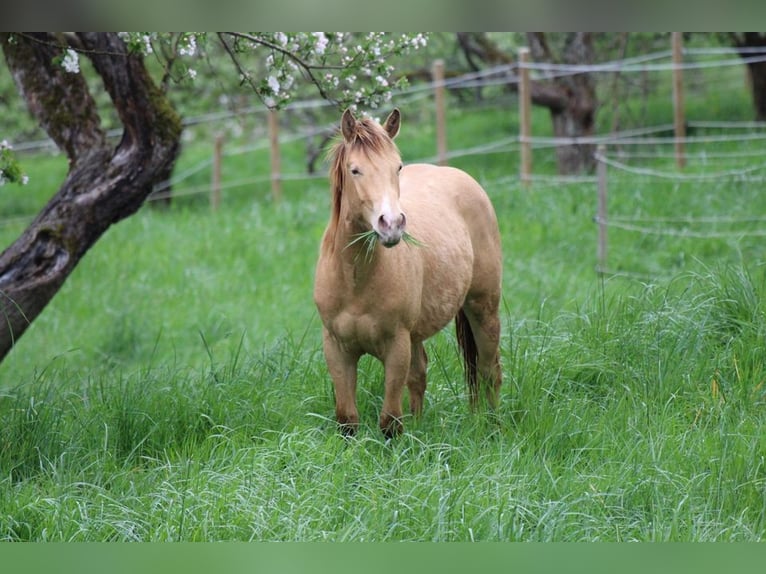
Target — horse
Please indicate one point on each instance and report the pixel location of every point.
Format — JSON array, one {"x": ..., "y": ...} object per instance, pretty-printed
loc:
[{"x": 407, "y": 249}]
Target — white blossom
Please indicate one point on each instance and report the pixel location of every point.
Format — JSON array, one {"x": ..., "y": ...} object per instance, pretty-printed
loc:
[
  {"x": 147, "y": 39},
  {"x": 418, "y": 41},
  {"x": 321, "y": 42},
  {"x": 273, "y": 84},
  {"x": 191, "y": 46},
  {"x": 71, "y": 61}
]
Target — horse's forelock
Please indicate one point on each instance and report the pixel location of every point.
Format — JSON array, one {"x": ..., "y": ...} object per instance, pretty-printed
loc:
[{"x": 370, "y": 137}]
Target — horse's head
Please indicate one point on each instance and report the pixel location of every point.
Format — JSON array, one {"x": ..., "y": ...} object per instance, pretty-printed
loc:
[{"x": 371, "y": 166}]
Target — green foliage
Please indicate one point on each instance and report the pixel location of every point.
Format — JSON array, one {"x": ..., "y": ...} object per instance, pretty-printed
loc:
[{"x": 10, "y": 168}]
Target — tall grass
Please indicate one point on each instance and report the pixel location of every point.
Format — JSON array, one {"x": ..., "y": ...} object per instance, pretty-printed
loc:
[
  {"x": 637, "y": 417},
  {"x": 175, "y": 388}
]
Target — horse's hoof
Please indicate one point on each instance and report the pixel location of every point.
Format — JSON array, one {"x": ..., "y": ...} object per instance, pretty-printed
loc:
[
  {"x": 347, "y": 425},
  {"x": 348, "y": 429},
  {"x": 391, "y": 427}
]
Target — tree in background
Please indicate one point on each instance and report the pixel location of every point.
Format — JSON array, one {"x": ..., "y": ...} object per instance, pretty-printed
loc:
[
  {"x": 571, "y": 98},
  {"x": 108, "y": 182},
  {"x": 755, "y": 65}
]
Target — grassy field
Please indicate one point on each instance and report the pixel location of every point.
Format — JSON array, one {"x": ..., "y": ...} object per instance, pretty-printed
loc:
[{"x": 175, "y": 388}]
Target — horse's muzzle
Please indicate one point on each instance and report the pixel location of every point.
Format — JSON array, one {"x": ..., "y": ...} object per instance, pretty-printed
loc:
[{"x": 390, "y": 232}]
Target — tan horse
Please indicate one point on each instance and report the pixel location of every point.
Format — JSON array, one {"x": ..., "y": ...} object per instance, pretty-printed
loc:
[{"x": 382, "y": 296}]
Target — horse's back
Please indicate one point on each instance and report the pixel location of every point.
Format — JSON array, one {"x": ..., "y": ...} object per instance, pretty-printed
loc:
[
  {"x": 435, "y": 188},
  {"x": 445, "y": 197}
]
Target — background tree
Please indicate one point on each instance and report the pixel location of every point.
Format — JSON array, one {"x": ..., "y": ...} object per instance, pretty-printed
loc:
[
  {"x": 106, "y": 182},
  {"x": 571, "y": 99},
  {"x": 755, "y": 65}
]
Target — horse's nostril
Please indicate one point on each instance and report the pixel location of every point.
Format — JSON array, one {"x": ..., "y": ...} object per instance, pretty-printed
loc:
[{"x": 386, "y": 224}]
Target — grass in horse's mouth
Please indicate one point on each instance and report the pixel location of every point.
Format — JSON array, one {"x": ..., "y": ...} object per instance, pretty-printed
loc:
[
  {"x": 368, "y": 238},
  {"x": 407, "y": 238}
]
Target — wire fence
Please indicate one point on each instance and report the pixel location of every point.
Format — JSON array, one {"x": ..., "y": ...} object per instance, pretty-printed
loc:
[
  {"x": 628, "y": 149},
  {"x": 614, "y": 213}
]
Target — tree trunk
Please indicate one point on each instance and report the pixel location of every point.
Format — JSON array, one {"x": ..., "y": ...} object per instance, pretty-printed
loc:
[
  {"x": 103, "y": 185},
  {"x": 571, "y": 100},
  {"x": 758, "y": 88},
  {"x": 757, "y": 70},
  {"x": 574, "y": 122}
]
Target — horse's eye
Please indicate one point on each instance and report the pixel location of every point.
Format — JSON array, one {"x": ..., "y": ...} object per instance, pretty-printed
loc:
[
  {"x": 400, "y": 168},
  {"x": 355, "y": 171}
]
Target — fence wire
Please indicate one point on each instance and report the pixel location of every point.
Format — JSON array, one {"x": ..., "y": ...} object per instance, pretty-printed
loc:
[{"x": 507, "y": 74}]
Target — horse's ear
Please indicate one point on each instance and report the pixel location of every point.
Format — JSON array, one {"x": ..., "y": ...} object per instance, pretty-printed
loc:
[
  {"x": 393, "y": 123},
  {"x": 347, "y": 124}
]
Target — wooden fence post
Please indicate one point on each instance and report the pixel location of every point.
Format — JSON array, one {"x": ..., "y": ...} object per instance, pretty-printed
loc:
[
  {"x": 679, "y": 120},
  {"x": 602, "y": 208},
  {"x": 525, "y": 123},
  {"x": 276, "y": 161},
  {"x": 215, "y": 184},
  {"x": 437, "y": 73}
]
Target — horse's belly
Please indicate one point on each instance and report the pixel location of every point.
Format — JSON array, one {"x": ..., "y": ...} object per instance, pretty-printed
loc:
[
  {"x": 436, "y": 312},
  {"x": 446, "y": 281}
]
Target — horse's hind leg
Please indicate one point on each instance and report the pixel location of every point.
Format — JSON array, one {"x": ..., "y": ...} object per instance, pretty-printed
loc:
[
  {"x": 416, "y": 379},
  {"x": 484, "y": 320}
]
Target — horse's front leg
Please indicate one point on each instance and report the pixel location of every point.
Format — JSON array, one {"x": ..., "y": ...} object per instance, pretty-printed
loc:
[
  {"x": 342, "y": 367},
  {"x": 396, "y": 362}
]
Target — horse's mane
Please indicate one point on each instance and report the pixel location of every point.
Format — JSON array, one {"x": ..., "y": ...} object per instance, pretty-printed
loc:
[{"x": 368, "y": 136}]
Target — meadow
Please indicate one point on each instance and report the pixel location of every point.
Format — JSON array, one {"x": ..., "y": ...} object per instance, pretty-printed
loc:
[{"x": 175, "y": 389}]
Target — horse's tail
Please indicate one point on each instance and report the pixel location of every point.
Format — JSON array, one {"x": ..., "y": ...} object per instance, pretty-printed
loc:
[{"x": 467, "y": 344}]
